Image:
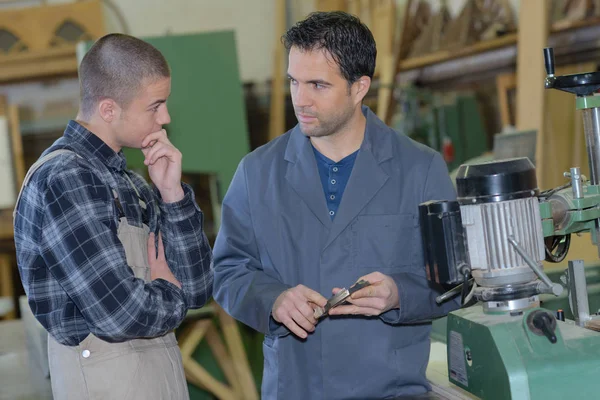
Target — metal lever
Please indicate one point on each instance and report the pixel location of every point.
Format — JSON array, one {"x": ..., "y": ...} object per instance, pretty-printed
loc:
[
  {"x": 543, "y": 322},
  {"x": 554, "y": 288},
  {"x": 451, "y": 293},
  {"x": 578, "y": 292},
  {"x": 577, "y": 180},
  {"x": 549, "y": 60}
]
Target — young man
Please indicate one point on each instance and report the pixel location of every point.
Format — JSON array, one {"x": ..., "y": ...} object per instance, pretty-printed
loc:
[
  {"x": 89, "y": 235},
  {"x": 330, "y": 202}
]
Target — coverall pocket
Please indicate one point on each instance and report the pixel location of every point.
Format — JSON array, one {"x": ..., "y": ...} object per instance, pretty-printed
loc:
[
  {"x": 270, "y": 383},
  {"x": 385, "y": 242}
]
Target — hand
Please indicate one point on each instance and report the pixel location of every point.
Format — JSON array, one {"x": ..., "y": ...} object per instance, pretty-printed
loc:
[
  {"x": 159, "y": 269},
  {"x": 295, "y": 308},
  {"x": 375, "y": 299},
  {"x": 164, "y": 165}
]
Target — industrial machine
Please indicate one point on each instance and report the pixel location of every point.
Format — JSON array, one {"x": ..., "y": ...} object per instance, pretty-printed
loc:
[{"x": 491, "y": 242}]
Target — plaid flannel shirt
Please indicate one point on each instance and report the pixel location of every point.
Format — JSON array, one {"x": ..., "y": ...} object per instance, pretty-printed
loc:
[{"x": 72, "y": 264}]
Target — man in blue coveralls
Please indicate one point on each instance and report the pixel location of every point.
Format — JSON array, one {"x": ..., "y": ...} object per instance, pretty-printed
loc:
[{"x": 332, "y": 201}]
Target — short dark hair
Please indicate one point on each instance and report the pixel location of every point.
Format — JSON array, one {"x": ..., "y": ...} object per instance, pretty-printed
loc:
[
  {"x": 344, "y": 36},
  {"x": 116, "y": 67}
]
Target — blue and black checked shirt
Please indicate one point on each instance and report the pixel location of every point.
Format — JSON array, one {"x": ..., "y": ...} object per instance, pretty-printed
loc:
[{"x": 72, "y": 264}]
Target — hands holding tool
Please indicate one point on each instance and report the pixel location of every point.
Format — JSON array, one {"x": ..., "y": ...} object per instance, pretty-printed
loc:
[
  {"x": 300, "y": 308},
  {"x": 164, "y": 165},
  {"x": 379, "y": 296},
  {"x": 295, "y": 308}
]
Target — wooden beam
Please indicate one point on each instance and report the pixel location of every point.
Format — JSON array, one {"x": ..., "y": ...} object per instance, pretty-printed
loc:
[
  {"x": 238, "y": 354},
  {"x": 446, "y": 55},
  {"x": 16, "y": 142},
  {"x": 217, "y": 347},
  {"x": 6, "y": 282},
  {"x": 196, "y": 374},
  {"x": 532, "y": 38},
  {"x": 192, "y": 335},
  {"x": 330, "y": 5},
  {"x": 505, "y": 83},
  {"x": 387, "y": 53},
  {"x": 277, "y": 115},
  {"x": 38, "y": 51}
]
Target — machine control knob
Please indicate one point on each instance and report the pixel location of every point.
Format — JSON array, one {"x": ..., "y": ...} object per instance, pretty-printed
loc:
[{"x": 542, "y": 323}]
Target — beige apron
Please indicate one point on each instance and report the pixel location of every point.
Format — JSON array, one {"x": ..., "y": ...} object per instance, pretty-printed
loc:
[{"x": 137, "y": 369}]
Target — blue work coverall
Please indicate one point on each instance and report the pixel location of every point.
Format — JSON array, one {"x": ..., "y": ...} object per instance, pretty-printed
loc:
[{"x": 276, "y": 233}]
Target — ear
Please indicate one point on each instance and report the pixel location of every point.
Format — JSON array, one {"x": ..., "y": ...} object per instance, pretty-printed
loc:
[
  {"x": 109, "y": 110},
  {"x": 360, "y": 88}
]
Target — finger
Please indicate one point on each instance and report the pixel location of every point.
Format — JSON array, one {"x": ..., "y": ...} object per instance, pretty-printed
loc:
[
  {"x": 335, "y": 290},
  {"x": 294, "y": 328},
  {"x": 161, "y": 247},
  {"x": 374, "y": 290},
  {"x": 151, "y": 247},
  {"x": 159, "y": 150},
  {"x": 369, "y": 302},
  {"x": 301, "y": 320},
  {"x": 313, "y": 296},
  {"x": 373, "y": 277},
  {"x": 354, "y": 310},
  {"x": 154, "y": 137},
  {"x": 308, "y": 312},
  {"x": 169, "y": 151}
]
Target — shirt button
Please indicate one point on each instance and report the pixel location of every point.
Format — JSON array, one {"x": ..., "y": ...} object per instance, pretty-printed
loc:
[
  {"x": 333, "y": 181},
  {"x": 332, "y": 197},
  {"x": 85, "y": 353},
  {"x": 331, "y": 213},
  {"x": 335, "y": 169}
]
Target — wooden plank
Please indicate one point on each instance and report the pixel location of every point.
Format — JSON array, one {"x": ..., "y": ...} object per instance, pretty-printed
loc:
[
  {"x": 277, "y": 114},
  {"x": 459, "y": 31},
  {"x": 224, "y": 359},
  {"x": 405, "y": 30},
  {"x": 16, "y": 144},
  {"x": 34, "y": 56},
  {"x": 386, "y": 102},
  {"x": 35, "y": 27},
  {"x": 192, "y": 336},
  {"x": 196, "y": 374},
  {"x": 446, "y": 55},
  {"x": 6, "y": 282},
  {"x": 481, "y": 47},
  {"x": 366, "y": 13},
  {"x": 353, "y": 7},
  {"x": 6, "y": 225},
  {"x": 505, "y": 83},
  {"x": 385, "y": 13},
  {"x": 42, "y": 68},
  {"x": 330, "y": 5},
  {"x": 532, "y": 38},
  {"x": 39, "y": 50},
  {"x": 238, "y": 354}
]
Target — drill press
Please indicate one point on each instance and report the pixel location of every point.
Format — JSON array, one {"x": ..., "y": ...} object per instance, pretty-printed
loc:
[{"x": 492, "y": 242}]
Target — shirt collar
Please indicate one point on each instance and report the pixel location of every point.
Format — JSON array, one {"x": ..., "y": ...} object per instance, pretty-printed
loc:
[{"x": 92, "y": 145}]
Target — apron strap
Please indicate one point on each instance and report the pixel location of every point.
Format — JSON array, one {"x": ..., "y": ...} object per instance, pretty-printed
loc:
[
  {"x": 139, "y": 196},
  {"x": 37, "y": 166},
  {"x": 56, "y": 153}
]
